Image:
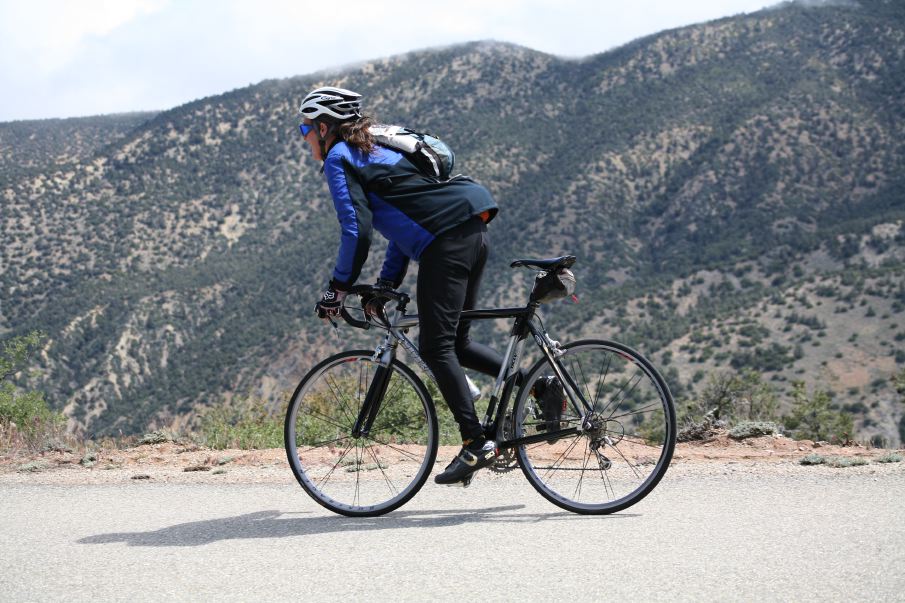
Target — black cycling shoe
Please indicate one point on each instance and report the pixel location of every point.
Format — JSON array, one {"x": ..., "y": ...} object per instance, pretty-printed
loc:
[{"x": 470, "y": 459}]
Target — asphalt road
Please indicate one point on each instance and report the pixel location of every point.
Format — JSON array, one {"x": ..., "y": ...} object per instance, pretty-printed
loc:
[{"x": 805, "y": 537}]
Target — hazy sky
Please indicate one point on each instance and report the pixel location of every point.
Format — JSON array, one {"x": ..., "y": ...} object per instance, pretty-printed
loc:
[{"x": 64, "y": 58}]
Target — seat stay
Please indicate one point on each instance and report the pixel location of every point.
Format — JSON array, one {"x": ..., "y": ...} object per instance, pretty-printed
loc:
[{"x": 576, "y": 397}]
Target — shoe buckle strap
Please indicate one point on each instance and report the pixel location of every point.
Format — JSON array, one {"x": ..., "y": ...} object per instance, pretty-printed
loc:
[{"x": 468, "y": 458}]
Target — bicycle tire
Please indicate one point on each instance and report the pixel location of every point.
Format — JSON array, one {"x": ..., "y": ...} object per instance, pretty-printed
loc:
[
  {"x": 557, "y": 467},
  {"x": 389, "y": 465}
]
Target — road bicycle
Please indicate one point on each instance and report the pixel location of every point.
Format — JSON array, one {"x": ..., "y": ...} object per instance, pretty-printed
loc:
[{"x": 362, "y": 434}]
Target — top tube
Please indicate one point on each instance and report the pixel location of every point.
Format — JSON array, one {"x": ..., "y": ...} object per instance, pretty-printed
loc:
[{"x": 411, "y": 320}]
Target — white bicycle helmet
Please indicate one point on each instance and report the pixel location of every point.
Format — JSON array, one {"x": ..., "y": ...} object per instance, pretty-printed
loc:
[{"x": 336, "y": 104}]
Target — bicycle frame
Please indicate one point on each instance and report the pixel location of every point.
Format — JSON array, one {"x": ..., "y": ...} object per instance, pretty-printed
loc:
[{"x": 507, "y": 380}]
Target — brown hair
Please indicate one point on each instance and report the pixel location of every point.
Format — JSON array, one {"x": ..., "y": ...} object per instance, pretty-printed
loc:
[{"x": 357, "y": 134}]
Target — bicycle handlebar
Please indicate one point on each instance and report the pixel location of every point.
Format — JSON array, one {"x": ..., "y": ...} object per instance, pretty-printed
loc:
[{"x": 402, "y": 299}]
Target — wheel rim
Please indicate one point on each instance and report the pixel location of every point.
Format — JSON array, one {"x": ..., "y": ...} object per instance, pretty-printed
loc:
[
  {"x": 371, "y": 473},
  {"x": 617, "y": 459}
]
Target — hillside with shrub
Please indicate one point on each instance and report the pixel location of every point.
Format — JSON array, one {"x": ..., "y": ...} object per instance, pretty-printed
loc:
[{"x": 734, "y": 191}]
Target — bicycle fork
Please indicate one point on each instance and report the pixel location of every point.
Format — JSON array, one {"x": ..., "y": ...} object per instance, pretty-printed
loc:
[{"x": 376, "y": 390}]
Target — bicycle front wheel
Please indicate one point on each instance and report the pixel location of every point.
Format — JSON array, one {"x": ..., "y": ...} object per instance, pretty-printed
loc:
[
  {"x": 624, "y": 448},
  {"x": 373, "y": 473}
]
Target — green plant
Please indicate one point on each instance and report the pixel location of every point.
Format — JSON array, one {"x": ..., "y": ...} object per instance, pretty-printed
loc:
[
  {"x": 840, "y": 462},
  {"x": 753, "y": 429},
  {"x": 25, "y": 417},
  {"x": 735, "y": 397},
  {"x": 889, "y": 457},
  {"x": 34, "y": 466},
  {"x": 813, "y": 459},
  {"x": 157, "y": 437},
  {"x": 899, "y": 384},
  {"x": 812, "y": 418},
  {"x": 244, "y": 423}
]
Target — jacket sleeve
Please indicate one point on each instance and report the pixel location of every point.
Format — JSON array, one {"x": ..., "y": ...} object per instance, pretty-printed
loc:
[
  {"x": 354, "y": 214},
  {"x": 395, "y": 265}
]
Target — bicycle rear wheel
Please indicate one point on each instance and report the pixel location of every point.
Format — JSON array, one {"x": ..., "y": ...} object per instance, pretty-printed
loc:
[
  {"x": 373, "y": 473},
  {"x": 621, "y": 456}
]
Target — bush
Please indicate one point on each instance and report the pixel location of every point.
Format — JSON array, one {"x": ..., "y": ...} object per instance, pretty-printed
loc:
[
  {"x": 890, "y": 457},
  {"x": 244, "y": 423},
  {"x": 753, "y": 429},
  {"x": 699, "y": 430},
  {"x": 157, "y": 437},
  {"x": 25, "y": 417},
  {"x": 813, "y": 459},
  {"x": 813, "y": 419},
  {"x": 735, "y": 397},
  {"x": 840, "y": 462},
  {"x": 899, "y": 383}
]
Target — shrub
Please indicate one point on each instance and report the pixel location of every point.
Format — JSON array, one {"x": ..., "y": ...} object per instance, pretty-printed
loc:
[
  {"x": 733, "y": 397},
  {"x": 753, "y": 429},
  {"x": 699, "y": 429},
  {"x": 244, "y": 423},
  {"x": 25, "y": 417},
  {"x": 34, "y": 466},
  {"x": 840, "y": 462},
  {"x": 813, "y": 459},
  {"x": 157, "y": 437},
  {"x": 890, "y": 457},
  {"x": 813, "y": 419}
]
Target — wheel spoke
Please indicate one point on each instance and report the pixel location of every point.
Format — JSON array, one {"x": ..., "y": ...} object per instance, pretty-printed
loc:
[
  {"x": 386, "y": 478},
  {"x": 601, "y": 380},
  {"x": 399, "y": 450},
  {"x": 326, "y": 419},
  {"x": 336, "y": 464},
  {"x": 607, "y": 484},
  {"x": 584, "y": 466},
  {"x": 627, "y": 462},
  {"x": 357, "y": 473},
  {"x": 636, "y": 411},
  {"x": 584, "y": 379},
  {"x": 616, "y": 398},
  {"x": 389, "y": 428},
  {"x": 340, "y": 397},
  {"x": 562, "y": 456},
  {"x": 326, "y": 443}
]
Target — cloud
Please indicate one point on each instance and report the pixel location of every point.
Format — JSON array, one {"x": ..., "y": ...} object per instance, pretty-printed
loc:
[
  {"x": 47, "y": 34},
  {"x": 64, "y": 58}
]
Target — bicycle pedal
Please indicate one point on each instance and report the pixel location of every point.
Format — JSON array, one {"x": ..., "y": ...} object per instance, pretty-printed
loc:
[{"x": 466, "y": 481}]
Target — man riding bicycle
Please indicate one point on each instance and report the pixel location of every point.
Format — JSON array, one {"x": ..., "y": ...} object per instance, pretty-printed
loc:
[{"x": 441, "y": 224}]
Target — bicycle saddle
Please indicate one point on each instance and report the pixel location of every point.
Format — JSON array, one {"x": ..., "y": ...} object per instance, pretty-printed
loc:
[{"x": 548, "y": 264}]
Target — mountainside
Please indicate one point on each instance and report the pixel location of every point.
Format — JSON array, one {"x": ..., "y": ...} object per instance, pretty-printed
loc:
[
  {"x": 50, "y": 145},
  {"x": 733, "y": 190}
]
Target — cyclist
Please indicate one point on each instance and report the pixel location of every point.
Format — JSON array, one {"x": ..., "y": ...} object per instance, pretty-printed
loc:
[{"x": 440, "y": 224}]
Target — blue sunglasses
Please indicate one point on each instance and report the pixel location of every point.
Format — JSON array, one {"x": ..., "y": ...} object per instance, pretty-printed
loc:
[{"x": 306, "y": 129}]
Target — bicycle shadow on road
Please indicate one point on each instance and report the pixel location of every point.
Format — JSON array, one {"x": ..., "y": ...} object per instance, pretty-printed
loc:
[{"x": 276, "y": 524}]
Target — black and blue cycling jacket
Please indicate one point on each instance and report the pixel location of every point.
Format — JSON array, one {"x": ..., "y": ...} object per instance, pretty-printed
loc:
[{"x": 383, "y": 190}]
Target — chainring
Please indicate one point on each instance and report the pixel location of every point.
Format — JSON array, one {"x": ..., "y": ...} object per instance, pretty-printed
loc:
[{"x": 506, "y": 461}]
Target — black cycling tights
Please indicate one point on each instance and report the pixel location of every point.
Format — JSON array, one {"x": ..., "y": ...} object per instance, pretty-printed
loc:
[{"x": 449, "y": 275}]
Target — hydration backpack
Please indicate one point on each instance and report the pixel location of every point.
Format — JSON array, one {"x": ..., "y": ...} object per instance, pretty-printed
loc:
[{"x": 429, "y": 154}]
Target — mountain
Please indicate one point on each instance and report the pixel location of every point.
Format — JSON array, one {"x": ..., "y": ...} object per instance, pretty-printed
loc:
[{"x": 734, "y": 192}]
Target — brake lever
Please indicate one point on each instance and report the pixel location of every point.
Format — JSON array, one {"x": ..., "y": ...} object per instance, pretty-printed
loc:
[{"x": 335, "y": 326}]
